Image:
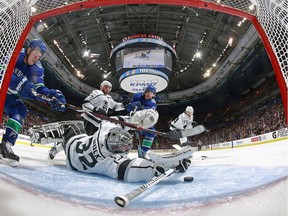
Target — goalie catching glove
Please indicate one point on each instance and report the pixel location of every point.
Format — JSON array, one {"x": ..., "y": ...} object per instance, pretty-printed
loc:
[
  {"x": 183, "y": 165},
  {"x": 179, "y": 160},
  {"x": 146, "y": 118}
]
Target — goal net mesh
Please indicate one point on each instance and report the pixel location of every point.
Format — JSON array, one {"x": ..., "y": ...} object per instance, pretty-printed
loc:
[{"x": 271, "y": 14}]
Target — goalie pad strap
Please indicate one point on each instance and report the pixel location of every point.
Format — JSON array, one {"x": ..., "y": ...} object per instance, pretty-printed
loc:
[{"x": 122, "y": 169}]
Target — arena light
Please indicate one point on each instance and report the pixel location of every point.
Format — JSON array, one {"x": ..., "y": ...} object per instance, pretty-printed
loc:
[
  {"x": 33, "y": 9},
  {"x": 230, "y": 42},
  {"x": 106, "y": 75},
  {"x": 96, "y": 55},
  {"x": 198, "y": 54},
  {"x": 207, "y": 74},
  {"x": 251, "y": 7},
  {"x": 86, "y": 53}
]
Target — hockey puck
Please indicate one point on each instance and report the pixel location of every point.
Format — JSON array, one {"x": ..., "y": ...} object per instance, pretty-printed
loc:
[{"x": 188, "y": 179}]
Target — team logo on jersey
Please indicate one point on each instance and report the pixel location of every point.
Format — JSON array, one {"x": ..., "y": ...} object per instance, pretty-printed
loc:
[
  {"x": 38, "y": 64},
  {"x": 17, "y": 72}
]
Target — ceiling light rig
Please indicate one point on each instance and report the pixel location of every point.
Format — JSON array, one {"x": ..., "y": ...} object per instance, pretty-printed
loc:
[
  {"x": 78, "y": 73},
  {"x": 176, "y": 38},
  {"x": 241, "y": 22},
  {"x": 198, "y": 54},
  {"x": 87, "y": 52},
  {"x": 208, "y": 71},
  {"x": 82, "y": 39},
  {"x": 41, "y": 26}
]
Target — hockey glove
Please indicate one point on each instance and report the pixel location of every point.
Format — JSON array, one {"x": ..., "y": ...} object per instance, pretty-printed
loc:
[
  {"x": 58, "y": 100},
  {"x": 24, "y": 88},
  {"x": 100, "y": 111},
  {"x": 56, "y": 105},
  {"x": 183, "y": 165},
  {"x": 126, "y": 102},
  {"x": 194, "y": 124},
  {"x": 134, "y": 106}
]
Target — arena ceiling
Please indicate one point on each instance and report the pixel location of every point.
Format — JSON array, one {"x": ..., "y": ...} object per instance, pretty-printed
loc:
[
  {"x": 99, "y": 30},
  {"x": 189, "y": 30}
]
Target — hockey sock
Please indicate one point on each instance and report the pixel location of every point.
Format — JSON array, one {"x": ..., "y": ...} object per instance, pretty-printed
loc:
[
  {"x": 13, "y": 128},
  {"x": 146, "y": 145}
]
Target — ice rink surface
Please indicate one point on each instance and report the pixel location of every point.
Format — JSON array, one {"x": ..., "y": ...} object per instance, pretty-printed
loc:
[{"x": 242, "y": 181}]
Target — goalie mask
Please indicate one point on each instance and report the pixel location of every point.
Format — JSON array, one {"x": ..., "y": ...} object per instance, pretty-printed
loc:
[{"x": 119, "y": 141}]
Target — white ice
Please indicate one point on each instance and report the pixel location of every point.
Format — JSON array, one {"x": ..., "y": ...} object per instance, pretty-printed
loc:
[{"x": 241, "y": 181}]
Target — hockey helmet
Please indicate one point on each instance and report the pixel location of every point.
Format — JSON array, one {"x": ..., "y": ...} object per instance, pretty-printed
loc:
[
  {"x": 119, "y": 141},
  {"x": 189, "y": 109},
  {"x": 37, "y": 43},
  {"x": 105, "y": 82},
  {"x": 150, "y": 88}
]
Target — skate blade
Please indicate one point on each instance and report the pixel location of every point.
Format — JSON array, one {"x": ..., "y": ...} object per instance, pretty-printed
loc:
[{"x": 8, "y": 162}]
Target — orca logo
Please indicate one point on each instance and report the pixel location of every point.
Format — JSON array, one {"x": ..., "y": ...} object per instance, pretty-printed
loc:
[{"x": 274, "y": 135}]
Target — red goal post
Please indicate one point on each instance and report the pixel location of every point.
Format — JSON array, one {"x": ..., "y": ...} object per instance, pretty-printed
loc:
[{"x": 269, "y": 17}]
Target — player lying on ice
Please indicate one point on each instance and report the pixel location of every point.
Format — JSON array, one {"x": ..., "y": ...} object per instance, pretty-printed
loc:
[
  {"x": 106, "y": 153},
  {"x": 142, "y": 118}
]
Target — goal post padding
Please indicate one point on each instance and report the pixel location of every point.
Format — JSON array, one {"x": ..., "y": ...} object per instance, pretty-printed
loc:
[{"x": 16, "y": 21}]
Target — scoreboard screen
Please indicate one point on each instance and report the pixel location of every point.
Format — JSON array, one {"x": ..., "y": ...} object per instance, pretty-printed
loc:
[{"x": 148, "y": 57}]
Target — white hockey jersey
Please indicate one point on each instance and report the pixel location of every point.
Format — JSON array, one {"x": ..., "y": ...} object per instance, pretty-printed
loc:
[
  {"x": 97, "y": 101},
  {"x": 89, "y": 154},
  {"x": 182, "y": 122}
]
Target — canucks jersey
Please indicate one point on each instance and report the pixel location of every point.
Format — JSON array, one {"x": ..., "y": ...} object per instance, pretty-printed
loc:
[{"x": 34, "y": 74}]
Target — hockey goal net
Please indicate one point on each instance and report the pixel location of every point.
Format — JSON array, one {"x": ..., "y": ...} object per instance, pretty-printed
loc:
[{"x": 270, "y": 18}]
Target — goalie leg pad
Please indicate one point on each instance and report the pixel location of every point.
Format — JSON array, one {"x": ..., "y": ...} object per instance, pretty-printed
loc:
[
  {"x": 91, "y": 123},
  {"x": 53, "y": 132},
  {"x": 139, "y": 170},
  {"x": 74, "y": 130},
  {"x": 173, "y": 160}
]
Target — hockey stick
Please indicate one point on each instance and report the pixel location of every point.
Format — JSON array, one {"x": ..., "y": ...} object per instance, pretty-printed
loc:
[
  {"x": 175, "y": 134},
  {"x": 116, "y": 121},
  {"x": 44, "y": 98},
  {"x": 123, "y": 200}
]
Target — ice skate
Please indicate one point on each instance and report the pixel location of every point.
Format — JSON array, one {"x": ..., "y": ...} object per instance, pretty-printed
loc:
[
  {"x": 55, "y": 150},
  {"x": 143, "y": 154},
  {"x": 52, "y": 153},
  {"x": 7, "y": 154},
  {"x": 36, "y": 137}
]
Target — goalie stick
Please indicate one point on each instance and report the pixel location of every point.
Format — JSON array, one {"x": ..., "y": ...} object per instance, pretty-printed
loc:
[
  {"x": 123, "y": 200},
  {"x": 174, "y": 134},
  {"x": 159, "y": 161}
]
